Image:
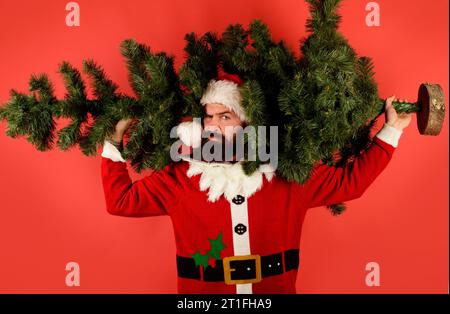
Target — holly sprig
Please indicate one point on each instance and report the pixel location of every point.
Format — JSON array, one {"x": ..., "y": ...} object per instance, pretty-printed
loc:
[{"x": 217, "y": 246}]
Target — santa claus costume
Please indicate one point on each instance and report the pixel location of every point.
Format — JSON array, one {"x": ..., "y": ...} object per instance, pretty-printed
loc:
[{"x": 236, "y": 234}]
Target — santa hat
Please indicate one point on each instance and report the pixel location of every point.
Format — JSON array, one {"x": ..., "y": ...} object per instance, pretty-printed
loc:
[{"x": 225, "y": 91}]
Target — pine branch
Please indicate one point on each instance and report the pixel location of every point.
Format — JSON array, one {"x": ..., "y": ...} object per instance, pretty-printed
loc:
[
  {"x": 324, "y": 16},
  {"x": 104, "y": 88}
]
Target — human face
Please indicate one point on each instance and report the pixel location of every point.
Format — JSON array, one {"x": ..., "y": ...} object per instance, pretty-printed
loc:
[{"x": 221, "y": 120}]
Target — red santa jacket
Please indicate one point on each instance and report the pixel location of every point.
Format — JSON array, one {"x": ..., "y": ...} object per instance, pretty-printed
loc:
[{"x": 234, "y": 233}]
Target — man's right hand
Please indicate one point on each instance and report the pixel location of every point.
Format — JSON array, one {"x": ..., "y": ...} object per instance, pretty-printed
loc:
[{"x": 120, "y": 129}]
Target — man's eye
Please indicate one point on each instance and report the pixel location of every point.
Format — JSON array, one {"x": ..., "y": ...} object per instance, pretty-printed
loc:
[{"x": 225, "y": 117}]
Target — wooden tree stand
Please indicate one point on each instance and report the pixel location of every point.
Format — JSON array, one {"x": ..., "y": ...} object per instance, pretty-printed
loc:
[{"x": 430, "y": 108}]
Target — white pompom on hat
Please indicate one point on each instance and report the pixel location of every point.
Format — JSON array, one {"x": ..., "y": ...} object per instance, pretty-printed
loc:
[{"x": 190, "y": 133}]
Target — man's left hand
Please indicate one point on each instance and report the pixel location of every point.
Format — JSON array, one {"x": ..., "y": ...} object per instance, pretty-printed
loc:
[{"x": 397, "y": 120}]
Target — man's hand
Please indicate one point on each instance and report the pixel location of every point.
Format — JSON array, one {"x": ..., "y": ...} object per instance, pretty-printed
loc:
[
  {"x": 399, "y": 121},
  {"x": 120, "y": 129}
]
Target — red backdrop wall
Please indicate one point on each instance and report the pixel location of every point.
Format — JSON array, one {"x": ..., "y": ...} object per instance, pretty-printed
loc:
[{"x": 52, "y": 210}]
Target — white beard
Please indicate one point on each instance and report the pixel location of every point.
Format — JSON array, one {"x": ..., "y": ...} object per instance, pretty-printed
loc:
[{"x": 228, "y": 179}]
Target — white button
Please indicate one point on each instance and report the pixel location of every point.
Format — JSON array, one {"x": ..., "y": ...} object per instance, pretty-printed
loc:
[
  {"x": 270, "y": 265},
  {"x": 278, "y": 264},
  {"x": 248, "y": 268}
]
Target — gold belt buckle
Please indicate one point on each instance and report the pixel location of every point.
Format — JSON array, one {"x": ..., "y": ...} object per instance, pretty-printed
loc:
[{"x": 228, "y": 270}]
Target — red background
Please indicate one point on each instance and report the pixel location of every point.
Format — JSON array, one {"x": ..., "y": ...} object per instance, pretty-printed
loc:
[{"x": 52, "y": 209}]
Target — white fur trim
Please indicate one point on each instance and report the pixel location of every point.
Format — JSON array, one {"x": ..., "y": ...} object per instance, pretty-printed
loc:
[
  {"x": 227, "y": 179},
  {"x": 241, "y": 241},
  {"x": 226, "y": 93},
  {"x": 110, "y": 151},
  {"x": 190, "y": 133},
  {"x": 389, "y": 135}
]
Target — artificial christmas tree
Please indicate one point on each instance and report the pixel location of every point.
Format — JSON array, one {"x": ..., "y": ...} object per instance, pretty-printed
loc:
[{"x": 324, "y": 103}]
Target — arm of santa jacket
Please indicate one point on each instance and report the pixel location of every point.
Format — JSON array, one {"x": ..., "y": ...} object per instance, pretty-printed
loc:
[
  {"x": 330, "y": 185},
  {"x": 153, "y": 195}
]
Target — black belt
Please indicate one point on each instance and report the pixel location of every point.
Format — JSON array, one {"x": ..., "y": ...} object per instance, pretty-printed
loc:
[{"x": 240, "y": 269}]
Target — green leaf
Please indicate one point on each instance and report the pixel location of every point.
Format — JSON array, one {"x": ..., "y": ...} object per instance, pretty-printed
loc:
[
  {"x": 200, "y": 259},
  {"x": 216, "y": 247}
]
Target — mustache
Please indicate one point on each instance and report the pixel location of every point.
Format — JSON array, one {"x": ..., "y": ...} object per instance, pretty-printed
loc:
[
  {"x": 206, "y": 135},
  {"x": 219, "y": 141}
]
